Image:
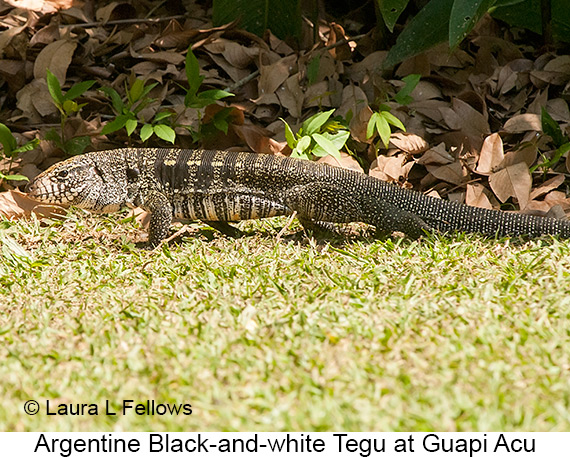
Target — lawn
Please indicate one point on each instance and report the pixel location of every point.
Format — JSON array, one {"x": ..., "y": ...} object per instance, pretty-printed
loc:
[{"x": 261, "y": 333}]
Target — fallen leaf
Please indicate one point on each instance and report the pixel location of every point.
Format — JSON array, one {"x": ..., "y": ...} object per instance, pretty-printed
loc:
[
  {"x": 56, "y": 56},
  {"x": 513, "y": 181},
  {"x": 437, "y": 155},
  {"x": 523, "y": 123},
  {"x": 547, "y": 186},
  {"x": 453, "y": 173},
  {"x": 409, "y": 142},
  {"x": 475, "y": 195},
  {"x": 15, "y": 204},
  {"x": 345, "y": 161},
  {"x": 491, "y": 154}
]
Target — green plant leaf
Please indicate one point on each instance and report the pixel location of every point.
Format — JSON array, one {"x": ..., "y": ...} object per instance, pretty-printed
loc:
[
  {"x": 27, "y": 146},
  {"x": 116, "y": 100},
  {"x": 391, "y": 119},
  {"x": 116, "y": 124},
  {"x": 214, "y": 94},
  {"x": 303, "y": 143},
  {"x": 70, "y": 107},
  {"x": 391, "y": 10},
  {"x": 315, "y": 122},
  {"x": 78, "y": 89},
  {"x": 15, "y": 177},
  {"x": 52, "y": 135},
  {"x": 289, "y": 135},
  {"x": 77, "y": 145},
  {"x": 552, "y": 129},
  {"x": 165, "y": 133},
  {"x": 526, "y": 14},
  {"x": 130, "y": 126},
  {"x": 326, "y": 144},
  {"x": 464, "y": 15},
  {"x": 282, "y": 17},
  {"x": 338, "y": 138},
  {"x": 426, "y": 29},
  {"x": 313, "y": 69},
  {"x": 146, "y": 132},
  {"x": 383, "y": 129},
  {"x": 403, "y": 95},
  {"x": 193, "y": 72},
  {"x": 54, "y": 88},
  {"x": 136, "y": 91},
  {"x": 371, "y": 127},
  {"x": 162, "y": 115},
  {"x": 8, "y": 141}
]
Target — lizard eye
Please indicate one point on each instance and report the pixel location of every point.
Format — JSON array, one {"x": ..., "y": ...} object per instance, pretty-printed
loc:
[{"x": 63, "y": 174}]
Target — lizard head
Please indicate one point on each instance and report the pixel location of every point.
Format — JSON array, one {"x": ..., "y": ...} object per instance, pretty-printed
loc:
[{"x": 77, "y": 181}]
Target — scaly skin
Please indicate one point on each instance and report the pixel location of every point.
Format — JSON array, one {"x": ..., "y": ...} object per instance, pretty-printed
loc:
[{"x": 220, "y": 187}]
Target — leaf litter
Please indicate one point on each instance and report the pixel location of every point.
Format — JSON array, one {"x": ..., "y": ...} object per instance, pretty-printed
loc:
[{"x": 473, "y": 125}]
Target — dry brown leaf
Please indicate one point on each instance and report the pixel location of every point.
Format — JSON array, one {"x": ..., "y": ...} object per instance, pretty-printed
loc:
[
  {"x": 35, "y": 101},
  {"x": 353, "y": 99},
  {"x": 359, "y": 124},
  {"x": 473, "y": 124},
  {"x": 56, "y": 56},
  {"x": 408, "y": 142},
  {"x": 475, "y": 195},
  {"x": 274, "y": 75},
  {"x": 15, "y": 204},
  {"x": 257, "y": 138},
  {"x": 453, "y": 173},
  {"x": 513, "y": 181},
  {"x": 345, "y": 161},
  {"x": 391, "y": 168},
  {"x": 437, "y": 155},
  {"x": 291, "y": 96},
  {"x": 426, "y": 91},
  {"x": 430, "y": 109},
  {"x": 317, "y": 95},
  {"x": 558, "y": 109},
  {"x": 46, "y": 35},
  {"x": 42, "y": 6},
  {"x": 7, "y": 35},
  {"x": 491, "y": 154},
  {"x": 523, "y": 123},
  {"x": 172, "y": 57},
  {"x": 525, "y": 154},
  {"x": 547, "y": 186}
]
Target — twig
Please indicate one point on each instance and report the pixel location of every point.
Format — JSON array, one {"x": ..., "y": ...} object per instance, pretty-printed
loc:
[
  {"x": 286, "y": 227},
  {"x": 182, "y": 231},
  {"x": 124, "y": 21}
]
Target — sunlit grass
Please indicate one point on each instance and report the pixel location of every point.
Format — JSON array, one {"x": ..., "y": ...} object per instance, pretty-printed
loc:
[{"x": 293, "y": 334}]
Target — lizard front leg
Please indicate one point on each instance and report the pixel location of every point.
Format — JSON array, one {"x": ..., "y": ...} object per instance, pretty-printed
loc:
[{"x": 160, "y": 217}]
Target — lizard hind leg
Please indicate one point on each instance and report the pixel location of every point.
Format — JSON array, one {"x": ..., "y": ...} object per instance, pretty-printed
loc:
[{"x": 388, "y": 218}]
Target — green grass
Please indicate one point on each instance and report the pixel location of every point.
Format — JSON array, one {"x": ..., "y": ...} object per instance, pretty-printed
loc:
[{"x": 291, "y": 334}]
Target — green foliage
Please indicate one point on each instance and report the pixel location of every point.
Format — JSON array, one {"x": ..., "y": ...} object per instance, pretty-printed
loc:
[
  {"x": 199, "y": 100},
  {"x": 403, "y": 96},
  {"x": 282, "y": 17},
  {"x": 391, "y": 10},
  {"x": 318, "y": 136},
  {"x": 379, "y": 124},
  {"x": 193, "y": 98},
  {"x": 127, "y": 109},
  {"x": 65, "y": 103},
  {"x": 426, "y": 29},
  {"x": 551, "y": 128},
  {"x": 67, "y": 106},
  {"x": 451, "y": 20},
  {"x": 10, "y": 150}
]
